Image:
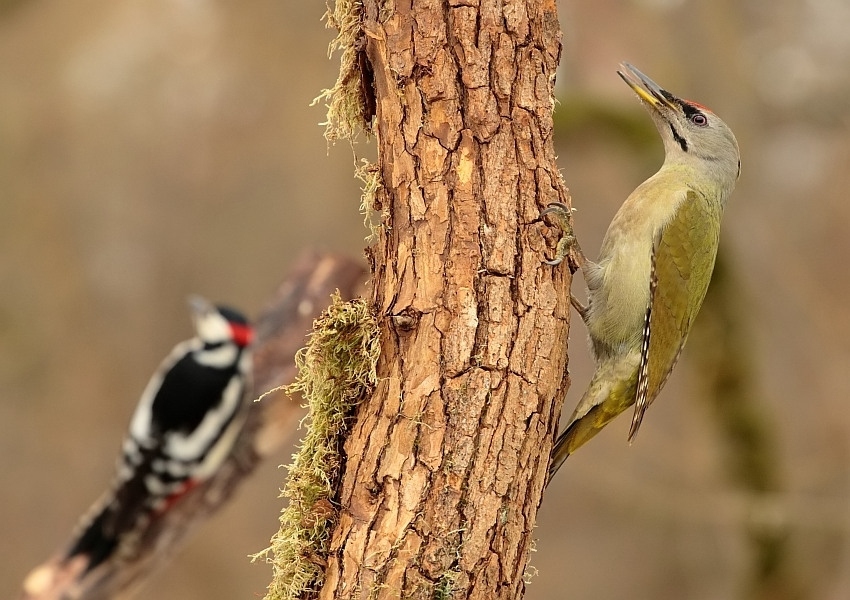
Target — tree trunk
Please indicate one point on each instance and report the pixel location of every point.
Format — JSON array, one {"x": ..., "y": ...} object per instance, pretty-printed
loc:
[{"x": 446, "y": 463}]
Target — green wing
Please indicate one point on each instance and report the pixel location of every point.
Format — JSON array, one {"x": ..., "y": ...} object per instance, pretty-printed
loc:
[{"x": 682, "y": 261}]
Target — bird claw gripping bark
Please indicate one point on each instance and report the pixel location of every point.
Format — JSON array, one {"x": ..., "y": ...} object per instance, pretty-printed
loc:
[
  {"x": 561, "y": 215},
  {"x": 567, "y": 245}
]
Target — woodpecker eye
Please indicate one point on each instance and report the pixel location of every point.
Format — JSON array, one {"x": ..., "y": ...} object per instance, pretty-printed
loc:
[{"x": 699, "y": 120}]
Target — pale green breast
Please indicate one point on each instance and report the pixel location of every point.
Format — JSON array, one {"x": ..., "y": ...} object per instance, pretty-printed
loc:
[{"x": 619, "y": 290}]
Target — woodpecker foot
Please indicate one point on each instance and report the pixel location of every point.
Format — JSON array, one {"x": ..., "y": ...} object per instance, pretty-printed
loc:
[
  {"x": 561, "y": 215},
  {"x": 581, "y": 309}
]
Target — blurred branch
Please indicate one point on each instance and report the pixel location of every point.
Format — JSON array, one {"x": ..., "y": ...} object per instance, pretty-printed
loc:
[
  {"x": 751, "y": 455},
  {"x": 281, "y": 328}
]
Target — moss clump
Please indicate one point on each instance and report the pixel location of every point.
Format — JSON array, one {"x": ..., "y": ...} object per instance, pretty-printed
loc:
[
  {"x": 370, "y": 205},
  {"x": 444, "y": 589},
  {"x": 345, "y": 100},
  {"x": 336, "y": 371}
]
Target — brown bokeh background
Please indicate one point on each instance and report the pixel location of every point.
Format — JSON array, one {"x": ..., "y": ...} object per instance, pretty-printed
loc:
[{"x": 152, "y": 149}]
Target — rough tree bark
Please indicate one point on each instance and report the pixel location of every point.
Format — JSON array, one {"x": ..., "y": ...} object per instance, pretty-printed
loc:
[{"x": 446, "y": 462}]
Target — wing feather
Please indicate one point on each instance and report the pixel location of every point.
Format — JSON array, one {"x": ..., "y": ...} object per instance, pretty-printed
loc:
[
  {"x": 682, "y": 261},
  {"x": 642, "y": 389}
]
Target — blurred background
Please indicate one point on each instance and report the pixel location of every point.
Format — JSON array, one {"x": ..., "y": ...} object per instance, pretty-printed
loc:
[{"x": 152, "y": 149}]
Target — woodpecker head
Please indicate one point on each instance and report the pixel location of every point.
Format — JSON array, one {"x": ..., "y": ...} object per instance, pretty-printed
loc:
[
  {"x": 216, "y": 325},
  {"x": 692, "y": 134}
]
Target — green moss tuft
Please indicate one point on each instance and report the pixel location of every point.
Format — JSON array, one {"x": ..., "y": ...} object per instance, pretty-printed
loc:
[
  {"x": 445, "y": 587},
  {"x": 345, "y": 100},
  {"x": 336, "y": 371},
  {"x": 369, "y": 174}
]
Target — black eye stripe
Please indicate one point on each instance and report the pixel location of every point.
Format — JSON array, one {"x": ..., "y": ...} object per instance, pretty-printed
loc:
[
  {"x": 689, "y": 109},
  {"x": 693, "y": 114}
]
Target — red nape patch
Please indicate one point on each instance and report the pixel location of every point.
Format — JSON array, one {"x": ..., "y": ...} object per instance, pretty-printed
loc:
[{"x": 242, "y": 334}]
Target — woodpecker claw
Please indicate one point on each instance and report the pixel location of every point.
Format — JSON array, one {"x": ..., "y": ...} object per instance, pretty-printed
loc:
[
  {"x": 561, "y": 214},
  {"x": 555, "y": 207}
]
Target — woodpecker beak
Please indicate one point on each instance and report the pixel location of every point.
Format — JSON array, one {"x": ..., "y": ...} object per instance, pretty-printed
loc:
[{"x": 646, "y": 89}]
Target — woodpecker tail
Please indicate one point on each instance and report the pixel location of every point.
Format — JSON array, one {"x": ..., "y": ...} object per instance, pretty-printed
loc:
[
  {"x": 611, "y": 391},
  {"x": 99, "y": 537},
  {"x": 110, "y": 520},
  {"x": 95, "y": 542}
]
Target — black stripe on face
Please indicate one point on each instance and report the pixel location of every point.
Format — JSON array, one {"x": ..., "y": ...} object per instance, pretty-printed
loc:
[
  {"x": 689, "y": 109},
  {"x": 682, "y": 141}
]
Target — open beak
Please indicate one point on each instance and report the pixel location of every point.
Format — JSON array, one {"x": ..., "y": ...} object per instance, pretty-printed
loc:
[{"x": 646, "y": 89}]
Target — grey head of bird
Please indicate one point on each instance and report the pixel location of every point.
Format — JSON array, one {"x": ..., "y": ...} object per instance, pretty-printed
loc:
[{"x": 692, "y": 134}]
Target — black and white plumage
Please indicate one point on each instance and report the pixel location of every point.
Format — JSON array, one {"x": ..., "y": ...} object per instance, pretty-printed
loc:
[{"x": 183, "y": 429}]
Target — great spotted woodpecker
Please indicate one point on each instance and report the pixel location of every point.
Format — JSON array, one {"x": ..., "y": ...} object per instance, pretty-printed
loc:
[{"x": 183, "y": 429}]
